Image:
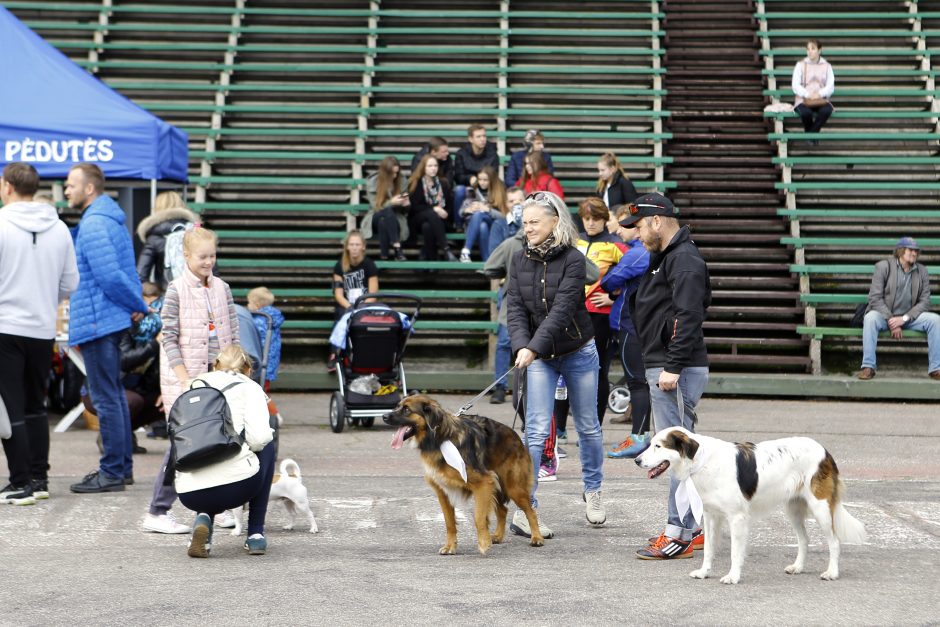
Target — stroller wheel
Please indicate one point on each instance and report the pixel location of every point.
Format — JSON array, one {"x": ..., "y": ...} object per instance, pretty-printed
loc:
[
  {"x": 619, "y": 399},
  {"x": 337, "y": 412},
  {"x": 368, "y": 422}
]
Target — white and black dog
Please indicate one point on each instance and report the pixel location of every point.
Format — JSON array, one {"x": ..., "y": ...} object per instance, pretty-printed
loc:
[
  {"x": 288, "y": 488},
  {"x": 738, "y": 482}
]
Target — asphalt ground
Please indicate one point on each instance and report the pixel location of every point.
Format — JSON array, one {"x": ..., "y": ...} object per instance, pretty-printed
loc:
[{"x": 83, "y": 560}]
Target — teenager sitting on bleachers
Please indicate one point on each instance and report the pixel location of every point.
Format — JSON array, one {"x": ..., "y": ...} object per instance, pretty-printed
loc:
[
  {"x": 438, "y": 148},
  {"x": 533, "y": 141},
  {"x": 485, "y": 204},
  {"x": 899, "y": 299},
  {"x": 471, "y": 158},
  {"x": 613, "y": 184},
  {"x": 813, "y": 83},
  {"x": 388, "y": 208},
  {"x": 537, "y": 178},
  {"x": 430, "y": 200}
]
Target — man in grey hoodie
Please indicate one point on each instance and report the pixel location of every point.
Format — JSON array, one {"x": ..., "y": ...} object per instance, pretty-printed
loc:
[{"x": 37, "y": 270}]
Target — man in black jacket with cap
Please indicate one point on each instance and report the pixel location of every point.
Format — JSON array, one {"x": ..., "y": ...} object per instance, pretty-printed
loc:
[{"x": 668, "y": 309}]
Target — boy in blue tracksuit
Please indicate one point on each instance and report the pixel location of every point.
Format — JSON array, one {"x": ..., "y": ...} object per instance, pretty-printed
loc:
[{"x": 625, "y": 278}]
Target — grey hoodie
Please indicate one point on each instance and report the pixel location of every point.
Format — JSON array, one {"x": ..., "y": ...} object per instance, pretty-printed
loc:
[{"x": 37, "y": 269}]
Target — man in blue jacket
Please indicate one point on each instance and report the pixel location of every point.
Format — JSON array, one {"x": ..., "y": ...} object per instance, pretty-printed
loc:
[{"x": 108, "y": 299}]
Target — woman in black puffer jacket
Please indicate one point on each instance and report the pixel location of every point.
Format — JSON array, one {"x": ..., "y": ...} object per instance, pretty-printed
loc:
[
  {"x": 552, "y": 335},
  {"x": 169, "y": 211}
]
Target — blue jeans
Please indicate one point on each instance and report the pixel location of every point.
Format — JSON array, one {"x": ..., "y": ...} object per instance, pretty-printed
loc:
[
  {"x": 503, "y": 354},
  {"x": 103, "y": 371},
  {"x": 254, "y": 490},
  {"x": 665, "y": 407},
  {"x": 478, "y": 230},
  {"x": 580, "y": 371},
  {"x": 927, "y": 322},
  {"x": 460, "y": 194}
]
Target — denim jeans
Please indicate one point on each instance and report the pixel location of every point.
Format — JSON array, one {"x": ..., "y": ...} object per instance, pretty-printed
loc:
[
  {"x": 580, "y": 371},
  {"x": 927, "y": 322},
  {"x": 503, "y": 354},
  {"x": 665, "y": 408},
  {"x": 460, "y": 194},
  {"x": 103, "y": 372},
  {"x": 478, "y": 230}
]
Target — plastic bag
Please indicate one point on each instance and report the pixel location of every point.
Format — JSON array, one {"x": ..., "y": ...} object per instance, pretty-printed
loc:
[{"x": 368, "y": 384}]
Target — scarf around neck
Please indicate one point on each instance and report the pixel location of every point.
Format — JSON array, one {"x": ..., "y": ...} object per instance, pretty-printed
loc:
[{"x": 433, "y": 191}]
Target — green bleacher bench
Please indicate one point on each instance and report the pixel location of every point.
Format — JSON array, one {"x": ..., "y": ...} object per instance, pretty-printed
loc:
[
  {"x": 847, "y": 15},
  {"x": 854, "y": 299},
  {"x": 298, "y": 235},
  {"x": 404, "y": 157},
  {"x": 832, "y": 35},
  {"x": 424, "y": 111},
  {"x": 862, "y": 115},
  {"x": 277, "y": 180},
  {"x": 850, "y": 92},
  {"x": 894, "y": 73},
  {"x": 874, "y": 51},
  {"x": 423, "y": 324},
  {"x": 837, "y": 268},
  {"x": 476, "y": 89},
  {"x": 868, "y": 214},
  {"x": 865, "y": 242},
  {"x": 832, "y": 136},
  {"x": 819, "y": 333},
  {"x": 425, "y": 294},
  {"x": 453, "y": 132},
  {"x": 277, "y": 206},
  {"x": 226, "y": 262},
  {"x": 858, "y": 160},
  {"x": 858, "y": 185}
]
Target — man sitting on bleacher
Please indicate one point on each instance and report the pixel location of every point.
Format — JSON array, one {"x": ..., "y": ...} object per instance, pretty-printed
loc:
[{"x": 898, "y": 299}]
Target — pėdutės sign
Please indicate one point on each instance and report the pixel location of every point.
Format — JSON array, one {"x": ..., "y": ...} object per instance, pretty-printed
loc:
[{"x": 58, "y": 151}]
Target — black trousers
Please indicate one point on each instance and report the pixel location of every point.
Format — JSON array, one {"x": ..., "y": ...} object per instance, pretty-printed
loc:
[
  {"x": 814, "y": 118},
  {"x": 433, "y": 231},
  {"x": 385, "y": 223},
  {"x": 24, "y": 375},
  {"x": 631, "y": 356}
]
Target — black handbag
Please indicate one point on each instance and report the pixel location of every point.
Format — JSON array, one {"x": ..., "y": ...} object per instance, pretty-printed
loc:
[{"x": 858, "y": 318}]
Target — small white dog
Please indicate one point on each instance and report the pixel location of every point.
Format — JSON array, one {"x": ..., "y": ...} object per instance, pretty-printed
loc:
[
  {"x": 738, "y": 482},
  {"x": 288, "y": 488}
]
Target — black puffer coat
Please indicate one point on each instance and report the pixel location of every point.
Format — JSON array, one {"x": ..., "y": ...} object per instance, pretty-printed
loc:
[
  {"x": 152, "y": 231},
  {"x": 546, "y": 312}
]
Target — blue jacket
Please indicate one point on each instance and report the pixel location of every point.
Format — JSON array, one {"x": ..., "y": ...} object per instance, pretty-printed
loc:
[
  {"x": 274, "y": 351},
  {"x": 626, "y": 276},
  {"x": 108, "y": 289}
]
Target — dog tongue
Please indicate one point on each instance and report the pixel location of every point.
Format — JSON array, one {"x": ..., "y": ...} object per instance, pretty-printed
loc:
[{"x": 399, "y": 438}]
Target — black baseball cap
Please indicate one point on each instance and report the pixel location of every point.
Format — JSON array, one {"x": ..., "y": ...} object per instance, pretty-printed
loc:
[{"x": 654, "y": 204}]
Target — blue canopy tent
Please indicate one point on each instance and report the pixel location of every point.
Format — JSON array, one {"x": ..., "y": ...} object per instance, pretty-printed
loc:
[{"x": 54, "y": 114}]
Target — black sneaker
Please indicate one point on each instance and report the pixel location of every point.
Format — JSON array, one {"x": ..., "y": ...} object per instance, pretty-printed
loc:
[
  {"x": 17, "y": 495},
  {"x": 40, "y": 488},
  {"x": 129, "y": 480},
  {"x": 95, "y": 482},
  {"x": 498, "y": 397}
]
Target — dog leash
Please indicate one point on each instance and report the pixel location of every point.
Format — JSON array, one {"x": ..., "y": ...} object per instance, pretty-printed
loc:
[{"x": 463, "y": 410}]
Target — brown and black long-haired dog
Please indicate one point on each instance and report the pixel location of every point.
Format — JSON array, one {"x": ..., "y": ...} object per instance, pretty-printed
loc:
[{"x": 498, "y": 466}]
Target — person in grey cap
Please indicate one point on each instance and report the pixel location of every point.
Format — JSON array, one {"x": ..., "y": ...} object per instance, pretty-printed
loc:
[
  {"x": 898, "y": 299},
  {"x": 668, "y": 310}
]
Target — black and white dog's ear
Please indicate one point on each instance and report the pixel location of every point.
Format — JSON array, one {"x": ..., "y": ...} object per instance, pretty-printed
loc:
[{"x": 686, "y": 446}]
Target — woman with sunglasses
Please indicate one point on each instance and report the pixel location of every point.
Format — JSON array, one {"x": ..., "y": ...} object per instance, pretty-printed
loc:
[{"x": 552, "y": 335}]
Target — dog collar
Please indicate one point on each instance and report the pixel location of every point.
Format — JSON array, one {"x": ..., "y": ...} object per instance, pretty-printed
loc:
[{"x": 454, "y": 459}]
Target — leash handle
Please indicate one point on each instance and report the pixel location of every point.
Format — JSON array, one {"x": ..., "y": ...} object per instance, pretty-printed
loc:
[{"x": 463, "y": 410}]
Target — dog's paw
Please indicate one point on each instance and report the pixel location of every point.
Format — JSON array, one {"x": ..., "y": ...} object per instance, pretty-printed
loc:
[
  {"x": 829, "y": 575},
  {"x": 793, "y": 569},
  {"x": 448, "y": 549},
  {"x": 235, "y": 532},
  {"x": 483, "y": 547},
  {"x": 729, "y": 578},
  {"x": 314, "y": 529},
  {"x": 288, "y": 527},
  {"x": 701, "y": 573},
  {"x": 498, "y": 539},
  {"x": 537, "y": 542}
]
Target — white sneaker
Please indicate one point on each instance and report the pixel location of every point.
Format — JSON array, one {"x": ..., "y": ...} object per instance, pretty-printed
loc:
[
  {"x": 164, "y": 523},
  {"x": 465, "y": 256},
  {"x": 595, "y": 512},
  {"x": 520, "y": 526},
  {"x": 225, "y": 520}
]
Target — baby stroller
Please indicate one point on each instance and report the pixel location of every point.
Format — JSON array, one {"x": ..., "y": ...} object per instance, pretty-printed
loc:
[{"x": 376, "y": 336}]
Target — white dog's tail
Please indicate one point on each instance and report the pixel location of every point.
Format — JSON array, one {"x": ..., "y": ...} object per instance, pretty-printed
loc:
[
  {"x": 846, "y": 527},
  {"x": 287, "y": 464}
]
